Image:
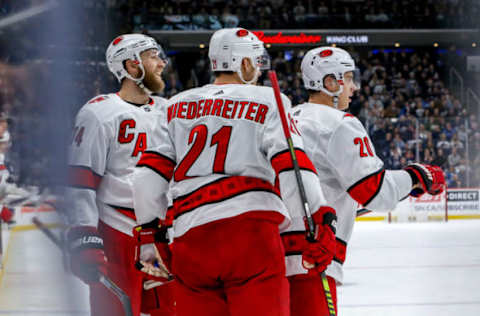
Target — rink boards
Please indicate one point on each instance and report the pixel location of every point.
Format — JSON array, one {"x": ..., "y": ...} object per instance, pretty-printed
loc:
[{"x": 461, "y": 203}]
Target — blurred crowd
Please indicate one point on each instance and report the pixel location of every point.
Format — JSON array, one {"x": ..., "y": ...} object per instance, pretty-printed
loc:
[
  {"x": 303, "y": 14},
  {"x": 8, "y": 7}
]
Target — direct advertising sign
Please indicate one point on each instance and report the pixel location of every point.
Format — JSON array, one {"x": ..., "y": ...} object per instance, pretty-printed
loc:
[{"x": 463, "y": 200}]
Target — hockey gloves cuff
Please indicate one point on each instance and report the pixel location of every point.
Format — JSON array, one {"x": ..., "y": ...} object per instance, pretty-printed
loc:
[
  {"x": 319, "y": 252},
  {"x": 86, "y": 256},
  {"x": 426, "y": 179}
]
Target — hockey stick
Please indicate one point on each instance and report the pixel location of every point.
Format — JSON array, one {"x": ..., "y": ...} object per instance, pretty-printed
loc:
[
  {"x": 362, "y": 211},
  {"x": 310, "y": 227},
  {"x": 109, "y": 284},
  {"x": 18, "y": 201}
]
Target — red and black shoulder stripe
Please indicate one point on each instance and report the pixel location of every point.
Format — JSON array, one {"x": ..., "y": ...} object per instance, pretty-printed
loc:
[{"x": 158, "y": 163}]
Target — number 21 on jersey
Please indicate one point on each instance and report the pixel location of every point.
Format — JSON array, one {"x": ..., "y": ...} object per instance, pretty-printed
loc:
[{"x": 198, "y": 135}]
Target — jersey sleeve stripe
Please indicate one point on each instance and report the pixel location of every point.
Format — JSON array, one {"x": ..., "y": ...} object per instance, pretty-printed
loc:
[
  {"x": 83, "y": 177},
  {"x": 169, "y": 217},
  {"x": 159, "y": 154},
  {"x": 218, "y": 191},
  {"x": 366, "y": 189},
  {"x": 282, "y": 161},
  {"x": 294, "y": 242},
  {"x": 340, "y": 251},
  {"x": 158, "y": 163},
  {"x": 128, "y": 212}
]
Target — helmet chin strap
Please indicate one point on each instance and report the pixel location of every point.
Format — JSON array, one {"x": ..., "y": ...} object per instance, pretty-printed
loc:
[
  {"x": 139, "y": 81},
  {"x": 334, "y": 95},
  {"x": 254, "y": 79},
  {"x": 335, "y": 101},
  {"x": 142, "y": 86}
]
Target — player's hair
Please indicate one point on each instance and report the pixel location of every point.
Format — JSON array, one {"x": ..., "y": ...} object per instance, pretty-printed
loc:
[
  {"x": 218, "y": 73},
  {"x": 311, "y": 92}
]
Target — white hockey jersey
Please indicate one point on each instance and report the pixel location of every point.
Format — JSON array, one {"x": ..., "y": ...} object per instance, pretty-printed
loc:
[
  {"x": 109, "y": 137},
  {"x": 4, "y": 174},
  {"x": 222, "y": 147},
  {"x": 350, "y": 171}
]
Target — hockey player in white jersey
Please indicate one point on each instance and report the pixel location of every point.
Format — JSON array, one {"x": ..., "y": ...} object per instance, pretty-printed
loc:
[
  {"x": 345, "y": 159},
  {"x": 4, "y": 173},
  {"x": 111, "y": 132},
  {"x": 6, "y": 189},
  {"x": 222, "y": 147}
]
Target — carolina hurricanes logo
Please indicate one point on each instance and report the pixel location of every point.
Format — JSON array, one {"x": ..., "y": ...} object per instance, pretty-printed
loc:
[
  {"x": 325, "y": 53},
  {"x": 293, "y": 125},
  {"x": 117, "y": 40},
  {"x": 242, "y": 33}
]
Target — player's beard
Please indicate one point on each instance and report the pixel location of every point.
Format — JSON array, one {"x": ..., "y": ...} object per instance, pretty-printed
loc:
[{"x": 153, "y": 82}]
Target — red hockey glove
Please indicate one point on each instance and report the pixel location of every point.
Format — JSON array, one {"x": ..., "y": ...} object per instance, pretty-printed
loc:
[
  {"x": 319, "y": 253},
  {"x": 152, "y": 253},
  {"x": 6, "y": 214},
  {"x": 426, "y": 178},
  {"x": 86, "y": 256}
]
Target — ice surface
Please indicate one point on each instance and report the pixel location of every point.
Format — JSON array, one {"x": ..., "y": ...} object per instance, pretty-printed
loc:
[
  {"x": 34, "y": 281},
  {"x": 427, "y": 269},
  {"x": 412, "y": 269}
]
